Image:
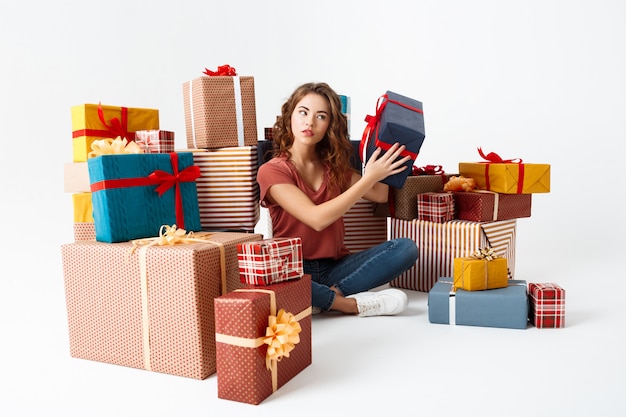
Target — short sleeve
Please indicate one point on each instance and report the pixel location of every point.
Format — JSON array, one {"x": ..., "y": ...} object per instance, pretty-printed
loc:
[{"x": 275, "y": 171}]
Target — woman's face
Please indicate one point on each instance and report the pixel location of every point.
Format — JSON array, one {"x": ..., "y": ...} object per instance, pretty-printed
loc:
[{"x": 310, "y": 119}]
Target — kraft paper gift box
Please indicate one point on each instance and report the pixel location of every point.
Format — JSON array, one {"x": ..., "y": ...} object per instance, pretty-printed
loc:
[
  {"x": 76, "y": 177},
  {"x": 435, "y": 207},
  {"x": 228, "y": 194},
  {"x": 134, "y": 194},
  {"x": 270, "y": 261},
  {"x": 84, "y": 227},
  {"x": 398, "y": 119},
  {"x": 547, "y": 305},
  {"x": 439, "y": 244},
  {"x": 220, "y": 112},
  {"x": 152, "y": 308},
  {"x": 472, "y": 274},
  {"x": 507, "y": 176},
  {"x": 483, "y": 206},
  {"x": 94, "y": 121},
  {"x": 363, "y": 230},
  {"x": 248, "y": 371},
  {"x": 501, "y": 307},
  {"x": 155, "y": 141}
]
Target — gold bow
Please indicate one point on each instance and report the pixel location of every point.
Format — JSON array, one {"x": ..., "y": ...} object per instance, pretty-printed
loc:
[
  {"x": 113, "y": 147},
  {"x": 485, "y": 253},
  {"x": 281, "y": 336}
]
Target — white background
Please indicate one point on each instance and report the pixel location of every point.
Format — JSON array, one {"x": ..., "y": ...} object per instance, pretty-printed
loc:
[{"x": 537, "y": 80}]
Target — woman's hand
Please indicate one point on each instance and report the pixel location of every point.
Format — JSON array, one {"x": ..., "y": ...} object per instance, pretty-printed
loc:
[{"x": 379, "y": 167}]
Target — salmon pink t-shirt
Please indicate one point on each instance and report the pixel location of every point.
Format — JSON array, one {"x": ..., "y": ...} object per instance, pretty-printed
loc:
[{"x": 328, "y": 243}]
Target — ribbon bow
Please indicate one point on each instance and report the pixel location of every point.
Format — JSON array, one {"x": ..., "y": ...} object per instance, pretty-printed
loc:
[
  {"x": 495, "y": 158},
  {"x": 485, "y": 253},
  {"x": 117, "y": 127},
  {"x": 222, "y": 70},
  {"x": 115, "y": 146},
  {"x": 281, "y": 336},
  {"x": 427, "y": 170}
]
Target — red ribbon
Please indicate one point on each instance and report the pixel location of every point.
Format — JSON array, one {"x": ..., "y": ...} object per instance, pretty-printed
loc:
[
  {"x": 116, "y": 127},
  {"x": 427, "y": 170},
  {"x": 222, "y": 70},
  {"x": 163, "y": 179},
  {"x": 373, "y": 123},
  {"x": 494, "y": 158}
]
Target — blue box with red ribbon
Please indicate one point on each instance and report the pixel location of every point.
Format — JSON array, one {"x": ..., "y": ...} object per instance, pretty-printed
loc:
[
  {"x": 398, "y": 119},
  {"x": 133, "y": 195}
]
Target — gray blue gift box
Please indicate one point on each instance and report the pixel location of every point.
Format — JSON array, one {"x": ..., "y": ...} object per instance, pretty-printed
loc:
[{"x": 502, "y": 307}]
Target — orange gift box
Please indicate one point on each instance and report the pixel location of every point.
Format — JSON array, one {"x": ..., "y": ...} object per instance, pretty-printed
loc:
[
  {"x": 250, "y": 365},
  {"x": 150, "y": 309}
]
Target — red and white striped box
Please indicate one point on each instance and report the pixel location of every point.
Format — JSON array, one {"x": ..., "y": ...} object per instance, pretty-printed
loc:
[
  {"x": 155, "y": 140},
  {"x": 228, "y": 194},
  {"x": 435, "y": 207},
  {"x": 270, "y": 261},
  {"x": 363, "y": 228},
  {"x": 439, "y": 244},
  {"x": 546, "y": 305}
]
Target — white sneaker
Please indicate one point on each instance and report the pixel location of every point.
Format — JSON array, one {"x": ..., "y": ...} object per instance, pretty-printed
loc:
[
  {"x": 381, "y": 303},
  {"x": 315, "y": 310}
]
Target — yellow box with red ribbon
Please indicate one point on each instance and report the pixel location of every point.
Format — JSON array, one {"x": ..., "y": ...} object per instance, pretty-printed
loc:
[
  {"x": 484, "y": 270},
  {"x": 97, "y": 121},
  {"x": 263, "y": 338},
  {"x": 507, "y": 176}
]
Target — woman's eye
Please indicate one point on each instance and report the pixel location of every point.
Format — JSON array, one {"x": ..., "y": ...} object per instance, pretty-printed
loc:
[
  {"x": 321, "y": 116},
  {"x": 303, "y": 112}
]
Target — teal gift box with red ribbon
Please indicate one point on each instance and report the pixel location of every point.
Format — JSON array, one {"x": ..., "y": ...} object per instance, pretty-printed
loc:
[
  {"x": 133, "y": 195},
  {"x": 398, "y": 119}
]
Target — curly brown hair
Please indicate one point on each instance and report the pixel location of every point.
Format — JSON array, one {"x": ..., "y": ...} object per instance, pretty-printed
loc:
[{"x": 335, "y": 149}]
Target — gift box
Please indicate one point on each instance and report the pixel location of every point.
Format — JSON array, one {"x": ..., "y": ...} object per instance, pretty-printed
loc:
[
  {"x": 398, "y": 119},
  {"x": 435, "y": 207},
  {"x": 547, "y": 305},
  {"x": 151, "y": 308},
  {"x": 473, "y": 274},
  {"x": 76, "y": 177},
  {"x": 84, "y": 227},
  {"x": 220, "y": 112},
  {"x": 501, "y": 307},
  {"x": 507, "y": 176},
  {"x": 268, "y": 133},
  {"x": 155, "y": 141},
  {"x": 95, "y": 121},
  {"x": 228, "y": 194},
  {"x": 134, "y": 194},
  {"x": 252, "y": 361},
  {"x": 270, "y": 261},
  {"x": 402, "y": 202},
  {"x": 440, "y": 243},
  {"x": 363, "y": 230},
  {"x": 484, "y": 206}
]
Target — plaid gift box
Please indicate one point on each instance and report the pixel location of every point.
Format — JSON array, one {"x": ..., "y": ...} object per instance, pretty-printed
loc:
[
  {"x": 501, "y": 307},
  {"x": 220, "y": 111},
  {"x": 435, "y": 207},
  {"x": 134, "y": 194},
  {"x": 440, "y": 243},
  {"x": 155, "y": 141},
  {"x": 270, "y": 261},
  {"x": 547, "y": 305},
  {"x": 472, "y": 274},
  {"x": 97, "y": 121},
  {"x": 398, "y": 119},
  {"x": 250, "y": 366},
  {"x": 485, "y": 206}
]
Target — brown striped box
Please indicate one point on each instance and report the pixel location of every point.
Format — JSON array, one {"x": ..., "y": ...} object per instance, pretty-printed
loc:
[
  {"x": 485, "y": 206},
  {"x": 440, "y": 243}
]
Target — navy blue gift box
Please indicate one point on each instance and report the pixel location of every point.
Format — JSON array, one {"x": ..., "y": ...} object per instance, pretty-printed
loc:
[{"x": 398, "y": 119}]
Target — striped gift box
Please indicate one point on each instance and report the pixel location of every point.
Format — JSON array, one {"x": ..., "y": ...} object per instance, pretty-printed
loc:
[
  {"x": 363, "y": 229},
  {"x": 440, "y": 243},
  {"x": 155, "y": 140},
  {"x": 547, "y": 305},
  {"x": 270, "y": 261},
  {"x": 228, "y": 194},
  {"x": 435, "y": 207}
]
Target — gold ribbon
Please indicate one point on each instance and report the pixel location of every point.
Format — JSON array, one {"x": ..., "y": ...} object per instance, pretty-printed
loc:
[
  {"x": 115, "y": 146},
  {"x": 167, "y": 236},
  {"x": 281, "y": 335}
]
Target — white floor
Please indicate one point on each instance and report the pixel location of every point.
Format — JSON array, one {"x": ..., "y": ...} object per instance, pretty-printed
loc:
[{"x": 369, "y": 366}]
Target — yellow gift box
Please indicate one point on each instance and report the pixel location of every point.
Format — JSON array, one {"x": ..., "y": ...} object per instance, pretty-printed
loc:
[
  {"x": 94, "y": 121},
  {"x": 472, "y": 274},
  {"x": 83, "y": 210}
]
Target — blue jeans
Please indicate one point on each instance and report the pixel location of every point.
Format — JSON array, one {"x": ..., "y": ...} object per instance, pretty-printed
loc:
[{"x": 360, "y": 271}]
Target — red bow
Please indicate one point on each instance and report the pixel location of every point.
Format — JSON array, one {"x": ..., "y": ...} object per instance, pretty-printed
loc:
[
  {"x": 427, "y": 170},
  {"x": 222, "y": 70},
  {"x": 495, "y": 158}
]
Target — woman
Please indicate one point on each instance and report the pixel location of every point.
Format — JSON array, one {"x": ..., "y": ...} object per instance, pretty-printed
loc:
[{"x": 310, "y": 184}]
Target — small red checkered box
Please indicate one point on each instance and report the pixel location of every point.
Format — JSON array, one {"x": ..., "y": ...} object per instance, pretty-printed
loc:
[
  {"x": 155, "y": 141},
  {"x": 435, "y": 207},
  {"x": 268, "y": 261},
  {"x": 547, "y": 305}
]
